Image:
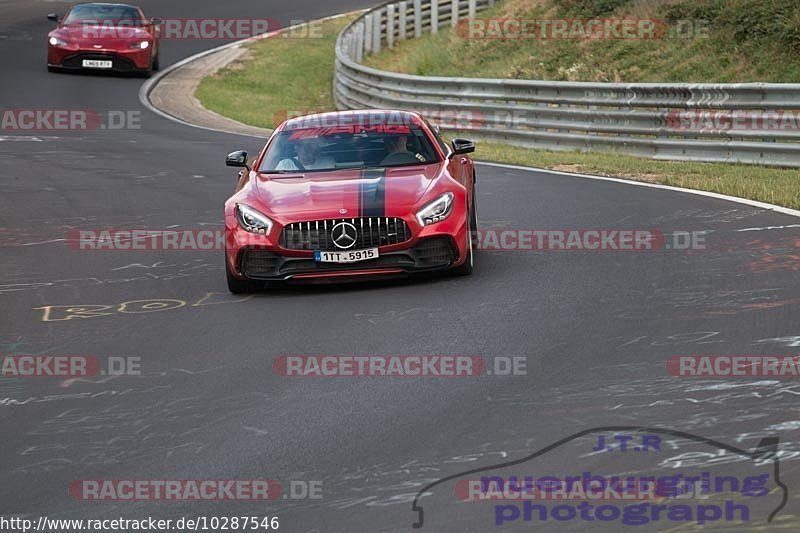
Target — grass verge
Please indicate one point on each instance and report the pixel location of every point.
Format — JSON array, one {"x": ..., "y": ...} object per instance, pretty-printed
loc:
[
  {"x": 780, "y": 186},
  {"x": 276, "y": 76}
]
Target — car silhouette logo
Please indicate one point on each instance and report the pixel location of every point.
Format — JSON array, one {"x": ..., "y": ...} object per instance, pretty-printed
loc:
[{"x": 344, "y": 235}]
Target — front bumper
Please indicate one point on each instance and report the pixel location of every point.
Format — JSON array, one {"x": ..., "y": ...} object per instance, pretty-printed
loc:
[
  {"x": 122, "y": 60},
  {"x": 428, "y": 254}
]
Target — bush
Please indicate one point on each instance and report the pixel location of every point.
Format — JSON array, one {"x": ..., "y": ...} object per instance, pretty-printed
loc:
[
  {"x": 746, "y": 21},
  {"x": 589, "y": 8}
]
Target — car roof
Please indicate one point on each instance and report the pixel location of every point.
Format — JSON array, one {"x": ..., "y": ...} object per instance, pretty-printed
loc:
[{"x": 105, "y": 4}]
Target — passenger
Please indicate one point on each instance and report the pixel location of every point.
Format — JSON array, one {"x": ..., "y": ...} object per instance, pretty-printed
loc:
[{"x": 307, "y": 157}]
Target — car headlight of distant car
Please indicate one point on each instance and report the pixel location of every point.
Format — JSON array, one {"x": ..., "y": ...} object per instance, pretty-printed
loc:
[
  {"x": 141, "y": 45},
  {"x": 252, "y": 220},
  {"x": 55, "y": 41},
  {"x": 437, "y": 210}
]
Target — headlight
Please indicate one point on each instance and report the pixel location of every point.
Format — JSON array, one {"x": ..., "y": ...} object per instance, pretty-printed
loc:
[
  {"x": 437, "y": 210},
  {"x": 252, "y": 220},
  {"x": 142, "y": 45},
  {"x": 55, "y": 41}
]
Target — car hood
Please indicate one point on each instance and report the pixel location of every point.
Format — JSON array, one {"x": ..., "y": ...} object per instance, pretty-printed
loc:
[
  {"x": 105, "y": 35},
  {"x": 347, "y": 193}
]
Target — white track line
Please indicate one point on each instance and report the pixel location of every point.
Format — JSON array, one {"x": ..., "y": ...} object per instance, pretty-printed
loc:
[
  {"x": 148, "y": 86},
  {"x": 754, "y": 203}
]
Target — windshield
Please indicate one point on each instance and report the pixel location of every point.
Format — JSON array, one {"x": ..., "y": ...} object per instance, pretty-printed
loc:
[
  {"x": 353, "y": 147},
  {"x": 103, "y": 14}
]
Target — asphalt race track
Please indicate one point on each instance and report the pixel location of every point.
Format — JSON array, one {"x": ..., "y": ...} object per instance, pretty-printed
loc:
[{"x": 595, "y": 327}]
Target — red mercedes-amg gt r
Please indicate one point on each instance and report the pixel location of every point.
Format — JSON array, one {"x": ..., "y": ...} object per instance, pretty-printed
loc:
[
  {"x": 98, "y": 36},
  {"x": 350, "y": 194}
]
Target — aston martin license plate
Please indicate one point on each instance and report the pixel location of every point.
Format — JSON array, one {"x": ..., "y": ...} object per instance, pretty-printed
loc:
[
  {"x": 95, "y": 63},
  {"x": 346, "y": 256}
]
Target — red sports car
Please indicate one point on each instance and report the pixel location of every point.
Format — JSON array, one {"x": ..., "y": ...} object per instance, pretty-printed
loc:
[
  {"x": 350, "y": 194},
  {"x": 113, "y": 37}
]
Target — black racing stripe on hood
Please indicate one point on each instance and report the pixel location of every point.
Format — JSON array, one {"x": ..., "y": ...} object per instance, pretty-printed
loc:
[{"x": 372, "y": 193}]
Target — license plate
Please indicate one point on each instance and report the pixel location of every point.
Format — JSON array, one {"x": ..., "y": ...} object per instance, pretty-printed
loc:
[
  {"x": 347, "y": 256},
  {"x": 96, "y": 63}
]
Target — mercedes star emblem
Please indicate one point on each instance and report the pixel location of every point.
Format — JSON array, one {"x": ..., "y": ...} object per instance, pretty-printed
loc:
[{"x": 344, "y": 235}]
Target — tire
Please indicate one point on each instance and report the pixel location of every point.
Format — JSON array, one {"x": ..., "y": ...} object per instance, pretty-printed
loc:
[
  {"x": 156, "y": 64},
  {"x": 472, "y": 224},
  {"x": 236, "y": 285}
]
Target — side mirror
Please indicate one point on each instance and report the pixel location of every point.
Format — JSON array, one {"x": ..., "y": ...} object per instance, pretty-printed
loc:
[
  {"x": 463, "y": 146},
  {"x": 237, "y": 159},
  {"x": 155, "y": 21},
  {"x": 52, "y": 16}
]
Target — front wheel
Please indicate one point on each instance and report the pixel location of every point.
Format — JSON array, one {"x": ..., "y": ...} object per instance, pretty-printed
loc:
[
  {"x": 236, "y": 285},
  {"x": 472, "y": 224}
]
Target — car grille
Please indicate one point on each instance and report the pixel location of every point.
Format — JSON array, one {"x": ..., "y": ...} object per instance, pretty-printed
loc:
[
  {"x": 372, "y": 231},
  {"x": 429, "y": 254},
  {"x": 118, "y": 63}
]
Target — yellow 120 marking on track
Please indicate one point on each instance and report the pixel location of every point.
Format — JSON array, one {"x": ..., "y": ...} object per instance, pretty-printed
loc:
[{"x": 56, "y": 313}]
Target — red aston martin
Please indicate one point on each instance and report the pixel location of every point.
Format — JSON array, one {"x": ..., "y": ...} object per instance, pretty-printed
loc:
[
  {"x": 350, "y": 194},
  {"x": 99, "y": 36}
]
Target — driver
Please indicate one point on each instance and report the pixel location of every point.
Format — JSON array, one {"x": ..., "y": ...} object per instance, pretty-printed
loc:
[
  {"x": 307, "y": 157},
  {"x": 397, "y": 152}
]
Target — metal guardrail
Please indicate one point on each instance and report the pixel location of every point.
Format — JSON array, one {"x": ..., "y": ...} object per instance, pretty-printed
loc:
[{"x": 655, "y": 120}]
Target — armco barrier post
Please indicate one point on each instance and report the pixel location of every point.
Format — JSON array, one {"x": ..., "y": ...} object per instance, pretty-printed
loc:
[
  {"x": 417, "y": 19},
  {"x": 376, "y": 31},
  {"x": 403, "y": 21},
  {"x": 368, "y": 34},
  {"x": 390, "y": 25},
  {"x": 434, "y": 16},
  {"x": 359, "y": 42}
]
